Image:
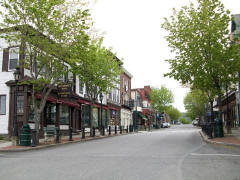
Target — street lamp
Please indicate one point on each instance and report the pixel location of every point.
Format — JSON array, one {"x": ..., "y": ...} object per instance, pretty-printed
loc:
[
  {"x": 101, "y": 99},
  {"x": 16, "y": 75}
]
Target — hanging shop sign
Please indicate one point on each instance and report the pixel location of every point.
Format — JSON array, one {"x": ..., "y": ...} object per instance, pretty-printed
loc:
[{"x": 64, "y": 90}]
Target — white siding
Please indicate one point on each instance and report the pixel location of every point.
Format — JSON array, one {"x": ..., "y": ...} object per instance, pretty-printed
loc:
[{"x": 4, "y": 90}]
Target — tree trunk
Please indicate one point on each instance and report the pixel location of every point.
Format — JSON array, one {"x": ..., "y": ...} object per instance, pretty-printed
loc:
[{"x": 37, "y": 118}]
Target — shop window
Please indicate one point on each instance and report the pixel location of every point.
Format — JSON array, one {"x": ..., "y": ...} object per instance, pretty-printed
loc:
[
  {"x": 64, "y": 115},
  {"x": 20, "y": 104},
  {"x": 86, "y": 115},
  {"x": 51, "y": 113},
  {"x": 2, "y": 104},
  {"x": 13, "y": 58},
  {"x": 95, "y": 117},
  {"x": 31, "y": 109}
]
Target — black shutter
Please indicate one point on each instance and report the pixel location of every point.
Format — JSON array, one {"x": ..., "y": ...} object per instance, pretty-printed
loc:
[{"x": 5, "y": 59}]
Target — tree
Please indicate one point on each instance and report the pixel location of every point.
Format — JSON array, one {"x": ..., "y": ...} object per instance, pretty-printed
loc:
[
  {"x": 194, "y": 103},
  {"x": 205, "y": 57},
  {"x": 99, "y": 70},
  {"x": 174, "y": 113},
  {"x": 184, "y": 120},
  {"x": 44, "y": 32},
  {"x": 161, "y": 99}
]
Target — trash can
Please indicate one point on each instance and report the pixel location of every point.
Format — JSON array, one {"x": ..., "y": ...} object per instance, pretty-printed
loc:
[
  {"x": 218, "y": 128},
  {"x": 25, "y": 135}
]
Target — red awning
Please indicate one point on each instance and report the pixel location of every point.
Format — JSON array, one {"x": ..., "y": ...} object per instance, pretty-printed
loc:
[
  {"x": 113, "y": 108},
  {"x": 83, "y": 101},
  {"x": 49, "y": 98},
  {"x": 68, "y": 103}
]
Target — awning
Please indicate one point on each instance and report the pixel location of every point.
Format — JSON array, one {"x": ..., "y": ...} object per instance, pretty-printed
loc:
[
  {"x": 82, "y": 101},
  {"x": 49, "y": 98},
  {"x": 68, "y": 103},
  {"x": 142, "y": 116}
]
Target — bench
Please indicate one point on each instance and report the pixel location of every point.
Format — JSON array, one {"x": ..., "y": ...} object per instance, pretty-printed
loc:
[{"x": 49, "y": 132}]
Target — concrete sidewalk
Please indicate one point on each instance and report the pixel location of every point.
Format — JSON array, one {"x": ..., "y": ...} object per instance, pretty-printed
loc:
[
  {"x": 232, "y": 139},
  {"x": 8, "y": 147}
]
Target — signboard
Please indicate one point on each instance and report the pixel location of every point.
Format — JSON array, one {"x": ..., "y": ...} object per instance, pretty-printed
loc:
[{"x": 64, "y": 90}]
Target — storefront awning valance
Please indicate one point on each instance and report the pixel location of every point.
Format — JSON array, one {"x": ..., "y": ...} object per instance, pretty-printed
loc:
[
  {"x": 49, "y": 98},
  {"x": 82, "y": 101},
  {"x": 68, "y": 103}
]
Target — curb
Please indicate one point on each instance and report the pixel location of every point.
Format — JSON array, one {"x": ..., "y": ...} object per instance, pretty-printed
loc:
[
  {"x": 60, "y": 144},
  {"x": 205, "y": 139}
]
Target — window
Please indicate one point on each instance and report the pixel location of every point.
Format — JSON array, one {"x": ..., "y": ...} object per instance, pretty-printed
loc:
[
  {"x": 2, "y": 104},
  {"x": 20, "y": 104},
  {"x": 51, "y": 114},
  {"x": 125, "y": 84},
  {"x": 81, "y": 85},
  {"x": 64, "y": 77},
  {"x": 95, "y": 117},
  {"x": 86, "y": 115},
  {"x": 64, "y": 114},
  {"x": 13, "y": 58}
]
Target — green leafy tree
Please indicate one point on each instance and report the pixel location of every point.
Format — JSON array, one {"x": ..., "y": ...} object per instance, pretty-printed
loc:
[
  {"x": 45, "y": 32},
  {"x": 161, "y": 99},
  {"x": 194, "y": 103},
  {"x": 99, "y": 70},
  {"x": 184, "y": 121},
  {"x": 174, "y": 113},
  {"x": 205, "y": 57}
]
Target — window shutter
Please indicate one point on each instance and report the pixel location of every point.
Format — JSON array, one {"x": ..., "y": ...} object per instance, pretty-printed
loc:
[{"x": 5, "y": 59}]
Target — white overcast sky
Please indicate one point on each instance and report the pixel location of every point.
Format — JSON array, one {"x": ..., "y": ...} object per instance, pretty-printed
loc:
[{"x": 133, "y": 29}]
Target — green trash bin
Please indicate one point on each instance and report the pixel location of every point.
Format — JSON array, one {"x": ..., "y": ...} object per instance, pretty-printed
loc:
[
  {"x": 25, "y": 135},
  {"x": 218, "y": 128}
]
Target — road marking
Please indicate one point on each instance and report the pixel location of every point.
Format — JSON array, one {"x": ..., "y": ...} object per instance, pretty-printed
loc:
[{"x": 230, "y": 155}]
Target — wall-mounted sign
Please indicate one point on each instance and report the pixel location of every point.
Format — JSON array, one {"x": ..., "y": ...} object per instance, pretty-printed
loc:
[{"x": 64, "y": 90}]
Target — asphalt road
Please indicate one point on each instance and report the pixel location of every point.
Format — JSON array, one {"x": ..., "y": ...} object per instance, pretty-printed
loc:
[{"x": 177, "y": 153}]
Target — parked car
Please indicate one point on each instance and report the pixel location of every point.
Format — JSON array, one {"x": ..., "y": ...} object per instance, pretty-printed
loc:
[
  {"x": 178, "y": 123},
  {"x": 195, "y": 123},
  {"x": 166, "y": 125}
]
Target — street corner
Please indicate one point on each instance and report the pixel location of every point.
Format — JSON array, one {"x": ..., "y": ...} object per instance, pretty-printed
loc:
[{"x": 225, "y": 141}]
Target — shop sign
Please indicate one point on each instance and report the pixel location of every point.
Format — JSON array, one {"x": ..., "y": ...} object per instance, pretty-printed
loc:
[{"x": 64, "y": 90}]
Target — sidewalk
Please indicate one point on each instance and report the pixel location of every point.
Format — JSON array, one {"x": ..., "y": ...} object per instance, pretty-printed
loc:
[
  {"x": 228, "y": 139},
  {"x": 8, "y": 147}
]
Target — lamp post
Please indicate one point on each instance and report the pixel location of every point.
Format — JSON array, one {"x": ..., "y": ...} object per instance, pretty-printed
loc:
[
  {"x": 103, "y": 129},
  {"x": 16, "y": 75}
]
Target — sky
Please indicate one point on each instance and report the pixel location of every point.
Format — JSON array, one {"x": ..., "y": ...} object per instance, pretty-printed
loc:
[{"x": 132, "y": 28}]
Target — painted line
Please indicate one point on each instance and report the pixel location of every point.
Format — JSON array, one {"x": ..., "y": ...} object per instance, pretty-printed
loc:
[{"x": 228, "y": 155}]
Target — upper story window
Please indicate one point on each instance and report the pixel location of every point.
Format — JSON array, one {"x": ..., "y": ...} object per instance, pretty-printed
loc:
[
  {"x": 125, "y": 84},
  {"x": 64, "y": 77},
  {"x": 13, "y": 58},
  {"x": 81, "y": 86},
  {"x": 2, "y": 104}
]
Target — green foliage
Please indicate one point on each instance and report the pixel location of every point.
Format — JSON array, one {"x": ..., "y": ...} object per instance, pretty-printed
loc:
[
  {"x": 1, "y": 138},
  {"x": 184, "y": 121},
  {"x": 46, "y": 32},
  {"x": 205, "y": 57},
  {"x": 161, "y": 99},
  {"x": 99, "y": 69},
  {"x": 174, "y": 113},
  {"x": 195, "y": 102}
]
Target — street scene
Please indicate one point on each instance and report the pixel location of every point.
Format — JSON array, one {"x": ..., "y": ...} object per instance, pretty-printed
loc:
[
  {"x": 174, "y": 153},
  {"x": 119, "y": 90}
]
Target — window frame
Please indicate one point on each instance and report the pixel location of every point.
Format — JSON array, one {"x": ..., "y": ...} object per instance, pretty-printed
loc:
[
  {"x": 3, "y": 95},
  {"x": 22, "y": 103},
  {"x": 9, "y": 58},
  {"x": 80, "y": 84}
]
